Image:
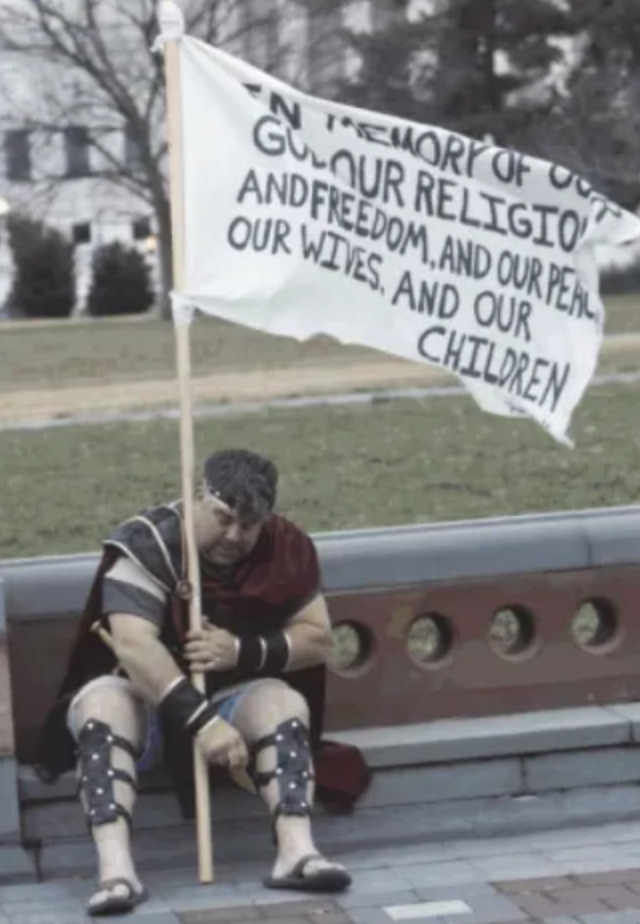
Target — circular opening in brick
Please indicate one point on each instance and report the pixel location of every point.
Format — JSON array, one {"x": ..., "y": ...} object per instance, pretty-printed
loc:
[
  {"x": 352, "y": 646},
  {"x": 512, "y": 631},
  {"x": 430, "y": 639},
  {"x": 595, "y": 625}
]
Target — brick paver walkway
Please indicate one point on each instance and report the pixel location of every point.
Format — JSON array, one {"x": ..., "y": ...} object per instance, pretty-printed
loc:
[{"x": 577, "y": 896}]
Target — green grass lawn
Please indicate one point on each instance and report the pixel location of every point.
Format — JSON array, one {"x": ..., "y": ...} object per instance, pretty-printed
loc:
[
  {"x": 77, "y": 353},
  {"x": 622, "y": 314},
  {"x": 398, "y": 462},
  {"x": 68, "y": 354}
]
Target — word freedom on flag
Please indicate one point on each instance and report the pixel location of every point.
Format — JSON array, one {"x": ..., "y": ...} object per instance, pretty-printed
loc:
[{"x": 305, "y": 217}]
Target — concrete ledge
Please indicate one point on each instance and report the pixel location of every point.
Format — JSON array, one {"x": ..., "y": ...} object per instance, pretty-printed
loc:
[
  {"x": 493, "y": 736},
  {"x": 612, "y": 540},
  {"x": 368, "y": 558},
  {"x": 9, "y": 812},
  {"x": 630, "y": 712},
  {"x": 578, "y": 769},
  {"x": 16, "y": 865},
  {"x": 445, "y": 782}
]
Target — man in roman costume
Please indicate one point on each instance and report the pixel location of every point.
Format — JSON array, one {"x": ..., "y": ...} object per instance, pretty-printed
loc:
[{"x": 263, "y": 647}]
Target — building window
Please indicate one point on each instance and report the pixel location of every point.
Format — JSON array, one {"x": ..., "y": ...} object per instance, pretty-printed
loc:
[
  {"x": 76, "y": 143},
  {"x": 81, "y": 233},
  {"x": 17, "y": 146},
  {"x": 132, "y": 155},
  {"x": 141, "y": 229}
]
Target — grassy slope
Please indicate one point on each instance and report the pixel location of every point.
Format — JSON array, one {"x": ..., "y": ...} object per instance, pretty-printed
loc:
[{"x": 401, "y": 462}]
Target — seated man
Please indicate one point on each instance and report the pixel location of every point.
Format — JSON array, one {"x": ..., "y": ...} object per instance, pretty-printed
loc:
[{"x": 263, "y": 647}]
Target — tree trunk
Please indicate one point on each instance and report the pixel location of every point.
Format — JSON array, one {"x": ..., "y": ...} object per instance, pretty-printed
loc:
[{"x": 165, "y": 258}]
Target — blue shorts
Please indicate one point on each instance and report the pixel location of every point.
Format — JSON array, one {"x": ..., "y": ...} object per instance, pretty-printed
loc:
[{"x": 152, "y": 754}]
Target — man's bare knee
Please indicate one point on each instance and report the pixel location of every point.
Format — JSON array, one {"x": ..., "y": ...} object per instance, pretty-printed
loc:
[
  {"x": 286, "y": 703},
  {"x": 113, "y": 702},
  {"x": 267, "y": 705}
]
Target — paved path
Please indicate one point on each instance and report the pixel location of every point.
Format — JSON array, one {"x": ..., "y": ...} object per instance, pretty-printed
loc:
[
  {"x": 221, "y": 387},
  {"x": 238, "y": 408},
  {"x": 30, "y": 407},
  {"x": 581, "y": 876}
]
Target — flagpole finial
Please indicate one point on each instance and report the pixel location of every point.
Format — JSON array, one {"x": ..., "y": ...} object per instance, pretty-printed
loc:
[{"x": 170, "y": 21}]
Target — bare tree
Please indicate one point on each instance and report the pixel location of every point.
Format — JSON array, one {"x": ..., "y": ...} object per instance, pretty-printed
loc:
[
  {"x": 593, "y": 127},
  {"x": 90, "y": 64},
  {"x": 479, "y": 67},
  {"x": 596, "y": 132},
  {"x": 594, "y": 123}
]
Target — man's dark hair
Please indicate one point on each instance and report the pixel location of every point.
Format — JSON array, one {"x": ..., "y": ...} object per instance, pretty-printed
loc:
[{"x": 244, "y": 480}]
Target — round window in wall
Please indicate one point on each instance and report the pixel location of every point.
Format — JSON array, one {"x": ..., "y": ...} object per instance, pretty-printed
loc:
[
  {"x": 430, "y": 640},
  {"x": 595, "y": 626},
  {"x": 352, "y": 647},
  {"x": 512, "y": 632}
]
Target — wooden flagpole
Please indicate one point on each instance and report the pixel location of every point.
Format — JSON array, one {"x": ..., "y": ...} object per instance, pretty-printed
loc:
[{"x": 183, "y": 362}]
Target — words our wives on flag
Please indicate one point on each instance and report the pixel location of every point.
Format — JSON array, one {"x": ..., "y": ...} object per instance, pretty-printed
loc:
[{"x": 304, "y": 216}]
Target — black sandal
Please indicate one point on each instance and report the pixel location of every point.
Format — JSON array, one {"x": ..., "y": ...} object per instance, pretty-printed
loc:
[
  {"x": 117, "y": 904},
  {"x": 322, "y": 880}
]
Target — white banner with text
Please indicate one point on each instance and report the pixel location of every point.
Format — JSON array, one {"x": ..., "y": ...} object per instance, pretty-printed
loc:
[{"x": 306, "y": 217}]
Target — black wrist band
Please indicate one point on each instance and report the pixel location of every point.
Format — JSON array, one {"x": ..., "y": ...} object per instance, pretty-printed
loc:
[
  {"x": 277, "y": 652},
  {"x": 186, "y": 708},
  {"x": 260, "y": 653},
  {"x": 251, "y": 654}
]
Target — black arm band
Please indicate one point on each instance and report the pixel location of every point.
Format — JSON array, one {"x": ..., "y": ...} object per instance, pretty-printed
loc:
[
  {"x": 251, "y": 654},
  {"x": 264, "y": 653},
  {"x": 277, "y": 652},
  {"x": 186, "y": 708}
]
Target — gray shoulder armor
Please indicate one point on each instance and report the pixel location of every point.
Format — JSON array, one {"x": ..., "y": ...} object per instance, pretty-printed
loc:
[{"x": 153, "y": 540}]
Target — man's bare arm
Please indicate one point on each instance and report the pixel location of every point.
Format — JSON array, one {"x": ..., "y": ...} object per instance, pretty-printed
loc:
[
  {"x": 309, "y": 635},
  {"x": 304, "y": 641},
  {"x": 146, "y": 660}
]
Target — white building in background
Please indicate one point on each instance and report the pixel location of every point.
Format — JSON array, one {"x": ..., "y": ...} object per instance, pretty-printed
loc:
[{"x": 50, "y": 167}]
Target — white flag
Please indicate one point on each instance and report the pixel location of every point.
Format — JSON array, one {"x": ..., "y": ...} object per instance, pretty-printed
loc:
[{"x": 304, "y": 217}]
